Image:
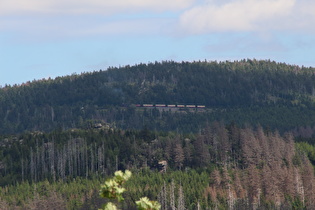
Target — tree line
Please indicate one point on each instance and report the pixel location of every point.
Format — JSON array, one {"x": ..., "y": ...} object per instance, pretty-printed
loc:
[{"x": 248, "y": 88}]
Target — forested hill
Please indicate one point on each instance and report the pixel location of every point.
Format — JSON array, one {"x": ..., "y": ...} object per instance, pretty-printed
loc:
[
  {"x": 228, "y": 147},
  {"x": 274, "y": 95}
]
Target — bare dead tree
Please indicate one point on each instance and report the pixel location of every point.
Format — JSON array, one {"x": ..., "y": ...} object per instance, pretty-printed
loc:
[
  {"x": 70, "y": 164},
  {"x": 92, "y": 159},
  {"x": 51, "y": 155},
  {"x": 181, "y": 199},
  {"x": 22, "y": 169},
  {"x": 179, "y": 155},
  {"x": 43, "y": 161},
  {"x": 32, "y": 165},
  {"x": 308, "y": 183},
  {"x": 172, "y": 196},
  {"x": 162, "y": 197},
  {"x": 86, "y": 159}
]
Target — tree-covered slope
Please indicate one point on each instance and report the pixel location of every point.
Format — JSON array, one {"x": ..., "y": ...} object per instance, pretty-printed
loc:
[
  {"x": 57, "y": 134},
  {"x": 223, "y": 166},
  {"x": 243, "y": 91}
]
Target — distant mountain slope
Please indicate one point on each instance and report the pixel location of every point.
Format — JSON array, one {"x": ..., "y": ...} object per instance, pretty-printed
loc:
[{"x": 249, "y": 91}]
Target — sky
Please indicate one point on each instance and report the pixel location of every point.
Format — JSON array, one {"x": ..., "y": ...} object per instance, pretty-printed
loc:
[{"x": 49, "y": 38}]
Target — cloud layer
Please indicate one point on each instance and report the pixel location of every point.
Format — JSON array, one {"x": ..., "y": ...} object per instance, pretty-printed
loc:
[
  {"x": 249, "y": 15},
  {"x": 244, "y": 15},
  {"x": 89, "y": 6},
  {"x": 163, "y": 17}
]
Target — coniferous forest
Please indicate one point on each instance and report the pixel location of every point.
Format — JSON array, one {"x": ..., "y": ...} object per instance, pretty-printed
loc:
[{"x": 196, "y": 135}]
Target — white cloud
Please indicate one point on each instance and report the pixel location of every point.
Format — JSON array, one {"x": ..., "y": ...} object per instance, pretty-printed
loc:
[
  {"x": 73, "y": 18},
  {"x": 303, "y": 15},
  {"x": 45, "y": 19},
  {"x": 32, "y": 29},
  {"x": 248, "y": 15},
  {"x": 9, "y": 7}
]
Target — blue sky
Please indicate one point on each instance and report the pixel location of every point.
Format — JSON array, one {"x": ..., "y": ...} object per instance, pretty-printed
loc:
[{"x": 49, "y": 38}]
